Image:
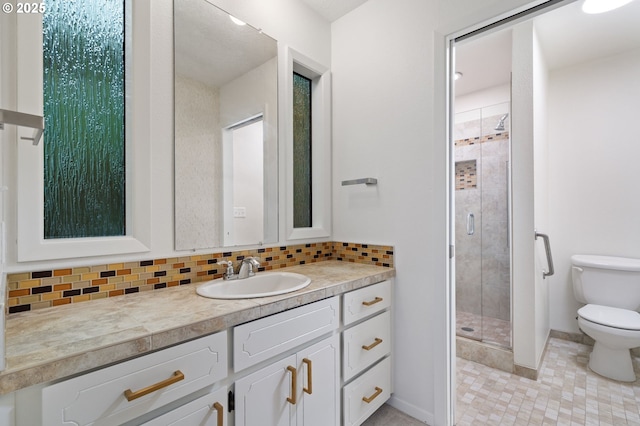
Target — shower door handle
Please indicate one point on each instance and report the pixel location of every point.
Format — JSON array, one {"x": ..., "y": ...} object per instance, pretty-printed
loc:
[
  {"x": 547, "y": 249},
  {"x": 471, "y": 224}
]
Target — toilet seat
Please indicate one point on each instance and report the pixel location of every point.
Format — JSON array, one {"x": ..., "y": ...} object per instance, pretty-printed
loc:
[{"x": 611, "y": 317}]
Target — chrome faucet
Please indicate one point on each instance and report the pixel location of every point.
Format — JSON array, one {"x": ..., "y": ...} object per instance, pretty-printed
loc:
[
  {"x": 246, "y": 267},
  {"x": 245, "y": 270}
]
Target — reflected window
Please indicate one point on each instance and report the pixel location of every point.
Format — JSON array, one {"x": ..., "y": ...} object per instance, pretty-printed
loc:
[
  {"x": 301, "y": 151},
  {"x": 84, "y": 110}
]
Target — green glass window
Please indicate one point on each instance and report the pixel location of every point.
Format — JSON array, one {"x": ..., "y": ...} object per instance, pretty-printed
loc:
[
  {"x": 84, "y": 110},
  {"x": 301, "y": 151}
]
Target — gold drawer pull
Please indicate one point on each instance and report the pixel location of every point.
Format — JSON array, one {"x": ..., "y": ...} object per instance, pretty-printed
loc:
[
  {"x": 218, "y": 407},
  {"x": 373, "y": 345},
  {"x": 373, "y": 302},
  {"x": 294, "y": 386},
  {"x": 372, "y": 397},
  {"x": 177, "y": 376},
  {"x": 308, "y": 389}
]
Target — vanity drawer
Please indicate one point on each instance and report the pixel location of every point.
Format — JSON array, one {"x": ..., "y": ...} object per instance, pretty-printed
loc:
[
  {"x": 113, "y": 395},
  {"x": 208, "y": 410},
  {"x": 366, "y": 301},
  {"x": 367, "y": 393},
  {"x": 365, "y": 343},
  {"x": 262, "y": 339}
]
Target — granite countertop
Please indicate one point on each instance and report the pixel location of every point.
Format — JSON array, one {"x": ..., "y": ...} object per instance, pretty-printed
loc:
[{"x": 54, "y": 343}]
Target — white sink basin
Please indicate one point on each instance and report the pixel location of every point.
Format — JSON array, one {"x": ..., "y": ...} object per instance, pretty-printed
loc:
[{"x": 262, "y": 284}]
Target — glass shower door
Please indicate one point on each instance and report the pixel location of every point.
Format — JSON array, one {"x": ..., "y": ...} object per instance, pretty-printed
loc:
[
  {"x": 483, "y": 283},
  {"x": 468, "y": 224}
]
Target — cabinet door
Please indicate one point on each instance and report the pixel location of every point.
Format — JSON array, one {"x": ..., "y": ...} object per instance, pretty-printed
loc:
[
  {"x": 266, "y": 397},
  {"x": 208, "y": 410},
  {"x": 319, "y": 388}
]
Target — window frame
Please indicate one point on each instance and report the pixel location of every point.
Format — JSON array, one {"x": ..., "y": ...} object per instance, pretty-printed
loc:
[
  {"x": 32, "y": 245},
  {"x": 308, "y": 214},
  {"x": 320, "y": 145}
]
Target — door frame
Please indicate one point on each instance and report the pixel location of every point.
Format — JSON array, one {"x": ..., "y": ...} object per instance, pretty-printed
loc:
[{"x": 445, "y": 378}]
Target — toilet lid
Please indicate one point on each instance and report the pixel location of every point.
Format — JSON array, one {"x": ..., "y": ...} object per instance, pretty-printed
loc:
[{"x": 611, "y": 317}]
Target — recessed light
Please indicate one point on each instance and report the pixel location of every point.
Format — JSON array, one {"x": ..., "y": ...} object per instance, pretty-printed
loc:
[{"x": 601, "y": 6}]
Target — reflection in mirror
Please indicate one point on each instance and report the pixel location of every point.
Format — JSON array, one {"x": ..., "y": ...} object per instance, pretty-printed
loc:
[{"x": 225, "y": 130}]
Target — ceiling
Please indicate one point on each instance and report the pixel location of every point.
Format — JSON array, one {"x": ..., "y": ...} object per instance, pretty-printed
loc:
[
  {"x": 204, "y": 33},
  {"x": 567, "y": 37},
  {"x": 333, "y": 9}
]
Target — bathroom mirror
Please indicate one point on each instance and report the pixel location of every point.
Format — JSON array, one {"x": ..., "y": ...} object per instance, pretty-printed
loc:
[{"x": 226, "y": 130}]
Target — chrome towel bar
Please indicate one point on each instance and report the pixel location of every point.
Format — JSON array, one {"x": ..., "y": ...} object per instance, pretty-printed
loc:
[
  {"x": 366, "y": 181},
  {"x": 25, "y": 120}
]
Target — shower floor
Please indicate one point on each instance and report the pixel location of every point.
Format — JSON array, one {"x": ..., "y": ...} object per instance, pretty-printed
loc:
[{"x": 484, "y": 329}]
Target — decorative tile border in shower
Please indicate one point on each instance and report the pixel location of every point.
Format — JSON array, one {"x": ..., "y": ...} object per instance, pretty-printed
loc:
[
  {"x": 43, "y": 289},
  {"x": 484, "y": 139}
]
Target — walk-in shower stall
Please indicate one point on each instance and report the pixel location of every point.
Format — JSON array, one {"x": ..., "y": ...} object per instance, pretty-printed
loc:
[{"x": 483, "y": 276}]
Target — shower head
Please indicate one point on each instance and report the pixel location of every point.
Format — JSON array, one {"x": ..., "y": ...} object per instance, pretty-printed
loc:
[{"x": 500, "y": 126}]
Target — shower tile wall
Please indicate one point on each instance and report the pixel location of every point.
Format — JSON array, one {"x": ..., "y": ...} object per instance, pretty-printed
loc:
[{"x": 482, "y": 259}]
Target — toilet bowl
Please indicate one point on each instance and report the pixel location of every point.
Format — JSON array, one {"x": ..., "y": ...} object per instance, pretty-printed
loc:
[
  {"x": 615, "y": 332},
  {"x": 610, "y": 289}
]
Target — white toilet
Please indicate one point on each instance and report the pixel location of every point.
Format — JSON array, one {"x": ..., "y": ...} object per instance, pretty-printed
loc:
[{"x": 610, "y": 286}]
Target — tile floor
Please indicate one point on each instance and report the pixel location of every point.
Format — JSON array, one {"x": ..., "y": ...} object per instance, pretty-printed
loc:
[
  {"x": 486, "y": 329},
  {"x": 389, "y": 416},
  {"x": 566, "y": 393}
]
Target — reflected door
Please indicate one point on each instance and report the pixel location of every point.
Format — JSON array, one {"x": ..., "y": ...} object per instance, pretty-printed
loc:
[{"x": 244, "y": 184}]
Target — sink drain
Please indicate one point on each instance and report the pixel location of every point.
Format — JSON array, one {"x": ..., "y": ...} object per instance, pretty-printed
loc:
[{"x": 467, "y": 329}]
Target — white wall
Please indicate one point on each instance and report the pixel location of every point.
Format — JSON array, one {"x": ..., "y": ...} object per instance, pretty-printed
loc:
[
  {"x": 389, "y": 105},
  {"x": 593, "y": 162},
  {"x": 541, "y": 185},
  {"x": 382, "y": 122},
  {"x": 483, "y": 98},
  {"x": 522, "y": 199}
]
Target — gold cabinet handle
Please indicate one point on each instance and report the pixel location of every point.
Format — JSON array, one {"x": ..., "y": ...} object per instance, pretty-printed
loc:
[
  {"x": 372, "y": 397},
  {"x": 218, "y": 407},
  {"x": 373, "y": 302},
  {"x": 130, "y": 395},
  {"x": 294, "y": 386},
  {"x": 308, "y": 389},
  {"x": 373, "y": 345}
]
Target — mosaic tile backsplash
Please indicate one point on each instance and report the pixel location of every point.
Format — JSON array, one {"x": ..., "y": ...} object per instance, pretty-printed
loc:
[{"x": 43, "y": 289}]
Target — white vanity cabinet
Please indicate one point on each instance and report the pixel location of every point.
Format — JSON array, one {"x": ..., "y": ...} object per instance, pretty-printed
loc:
[
  {"x": 326, "y": 363},
  {"x": 302, "y": 385},
  {"x": 124, "y": 391},
  {"x": 366, "y": 356}
]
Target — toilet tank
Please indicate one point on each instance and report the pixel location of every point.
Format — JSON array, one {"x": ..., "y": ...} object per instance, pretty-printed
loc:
[{"x": 606, "y": 280}]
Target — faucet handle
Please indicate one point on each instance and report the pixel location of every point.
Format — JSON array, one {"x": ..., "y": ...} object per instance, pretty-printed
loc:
[{"x": 229, "y": 272}]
